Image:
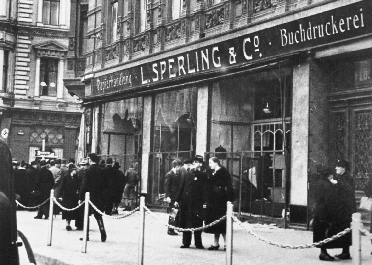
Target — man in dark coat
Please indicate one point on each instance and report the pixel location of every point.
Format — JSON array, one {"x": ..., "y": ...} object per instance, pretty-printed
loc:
[
  {"x": 172, "y": 185},
  {"x": 345, "y": 207},
  {"x": 118, "y": 183},
  {"x": 21, "y": 183},
  {"x": 44, "y": 184},
  {"x": 95, "y": 183},
  {"x": 109, "y": 174},
  {"x": 191, "y": 199},
  {"x": 32, "y": 172}
]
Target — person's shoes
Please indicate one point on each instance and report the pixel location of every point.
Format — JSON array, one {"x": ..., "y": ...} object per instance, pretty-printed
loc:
[
  {"x": 343, "y": 256},
  {"x": 184, "y": 246},
  {"x": 46, "y": 218},
  {"x": 199, "y": 246},
  {"x": 115, "y": 212},
  {"x": 81, "y": 238},
  {"x": 79, "y": 228},
  {"x": 326, "y": 257},
  {"x": 214, "y": 247},
  {"x": 224, "y": 248},
  {"x": 68, "y": 228},
  {"x": 128, "y": 208},
  {"x": 172, "y": 233},
  {"x": 38, "y": 217},
  {"x": 103, "y": 235}
]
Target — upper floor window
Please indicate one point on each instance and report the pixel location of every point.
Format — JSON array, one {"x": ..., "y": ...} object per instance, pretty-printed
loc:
[
  {"x": 51, "y": 12},
  {"x": 3, "y": 4},
  {"x": 48, "y": 76},
  {"x": 114, "y": 21},
  {"x": 143, "y": 15},
  {"x": 176, "y": 9},
  {"x": 4, "y": 58}
]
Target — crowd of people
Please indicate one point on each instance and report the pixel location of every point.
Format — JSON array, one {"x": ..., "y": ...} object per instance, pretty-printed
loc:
[
  {"x": 103, "y": 179},
  {"x": 189, "y": 186}
]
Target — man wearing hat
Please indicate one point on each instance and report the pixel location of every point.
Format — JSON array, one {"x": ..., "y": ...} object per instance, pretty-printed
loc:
[
  {"x": 95, "y": 183},
  {"x": 79, "y": 222},
  {"x": 131, "y": 178},
  {"x": 190, "y": 198},
  {"x": 109, "y": 174},
  {"x": 118, "y": 187},
  {"x": 345, "y": 207},
  {"x": 44, "y": 184}
]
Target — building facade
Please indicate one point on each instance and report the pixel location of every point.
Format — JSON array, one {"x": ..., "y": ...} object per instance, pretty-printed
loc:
[
  {"x": 272, "y": 88},
  {"x": 36, "y": 48}
]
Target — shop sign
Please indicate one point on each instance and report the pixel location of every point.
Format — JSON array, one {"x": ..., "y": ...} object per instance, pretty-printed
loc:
[
  {"x": 363, "y": 73},
  {"x": 300, "y": 35}
]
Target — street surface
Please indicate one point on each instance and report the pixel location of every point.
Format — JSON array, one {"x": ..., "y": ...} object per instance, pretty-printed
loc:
[{"x": 121, "y": 246}]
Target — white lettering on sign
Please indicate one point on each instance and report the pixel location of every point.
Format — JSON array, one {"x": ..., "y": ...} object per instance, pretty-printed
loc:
[{"x": 312, "y": 32}]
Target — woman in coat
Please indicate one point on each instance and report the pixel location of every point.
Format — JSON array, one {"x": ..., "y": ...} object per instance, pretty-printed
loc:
[
  {"x": 219, "y": 191},
  {"x": 69, "y": 195}
]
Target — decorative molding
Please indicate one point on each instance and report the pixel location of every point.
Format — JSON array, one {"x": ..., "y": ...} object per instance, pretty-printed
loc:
[
  {"x": 51, "y": 49},
  {"x": 215, "y": 18}
]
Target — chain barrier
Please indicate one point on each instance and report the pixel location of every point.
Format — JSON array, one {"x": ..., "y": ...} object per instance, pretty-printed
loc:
[
  {"x": 366, "y": 233},
  {"x": 66, "y": 209},
  {"x": 185, "y": 229},
  {"x": 113, "y": 217},
  {"x": 315, "y": 244},
  {"x": 33, "y": 207}
]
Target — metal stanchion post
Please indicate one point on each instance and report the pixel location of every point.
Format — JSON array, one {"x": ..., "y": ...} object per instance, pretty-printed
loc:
[
  {"x": 50, "y": 225},
  {"x": 141, "y": 244},
  {"x": 86, "y": 220},
  {"x": 355, "y": 228},
  {"x": 229, "y": 233}
]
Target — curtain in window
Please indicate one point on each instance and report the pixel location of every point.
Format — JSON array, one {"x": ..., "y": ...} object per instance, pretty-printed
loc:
[
  {"x": 48, "y": 76},
  {"x": 114, "y": 19}
]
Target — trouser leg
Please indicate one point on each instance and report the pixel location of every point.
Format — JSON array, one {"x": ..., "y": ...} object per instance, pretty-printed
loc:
[
  {"x": 186, "y": 238},
  {"x": 198, "y": 238},
  {"x": 101, "y": 226}
]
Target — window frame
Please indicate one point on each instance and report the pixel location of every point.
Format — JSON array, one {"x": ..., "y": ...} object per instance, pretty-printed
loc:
[
  {"x": 42, "y": 75},
  {"x": 5, "y": 71},
  {"x": 48, "y": 21}
]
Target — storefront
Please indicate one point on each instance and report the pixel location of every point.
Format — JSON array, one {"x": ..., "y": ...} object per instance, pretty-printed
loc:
[{"x": 272, "y": 101}]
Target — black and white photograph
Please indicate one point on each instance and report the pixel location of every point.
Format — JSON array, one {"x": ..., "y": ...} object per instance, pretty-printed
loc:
[{"x": 185, "y": 132}]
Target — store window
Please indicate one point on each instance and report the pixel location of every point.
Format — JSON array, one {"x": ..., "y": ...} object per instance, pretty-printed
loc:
[
  {"x": 51, "y": 12},
  {"x": 114, "y": 21},
  {"x": 120, "y": 133},
  {"x": 175, "y": 121},
  {"x": 48, "y": 77}
]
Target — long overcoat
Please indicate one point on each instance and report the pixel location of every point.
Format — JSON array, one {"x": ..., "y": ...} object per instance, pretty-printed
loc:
[
  {"x": 69, "y": 191},
  {"x": 172, "y": 184},
  {"x": 334, "y": 206},
  {"x": 219, "y": 191},
  {"x": 191, "y": 198},
  {"x": 44, "y": 184},
  {"x": 94, "y": 183}
]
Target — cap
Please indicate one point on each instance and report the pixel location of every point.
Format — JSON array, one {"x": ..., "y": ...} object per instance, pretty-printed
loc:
[
  {"x": 343, "y": 163},
  {"x": 33, "y": 163},
  {"x": 116, "y": 165},
  {"x": 71, "y": 160},
  {"x": 43, "y": 162},
  {"x": 187, "y": 161},
  {"x": 109, "y": 160},
  {"x": 58, "y": 161},
  {"x": 94, "y": 157},
  {"x": 198, "y": 158},
  {"x": 71, "y": 167},
  {"x": 63, "y": 161}
]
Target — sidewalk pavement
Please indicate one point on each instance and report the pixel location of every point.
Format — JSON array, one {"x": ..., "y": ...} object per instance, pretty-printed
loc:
[{"x": 122, "y": 244}]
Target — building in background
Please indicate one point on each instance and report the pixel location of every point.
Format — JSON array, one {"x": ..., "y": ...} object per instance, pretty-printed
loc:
[
  {"x": 36, "y": 48},
  {"x": 273, "y": 88}
]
